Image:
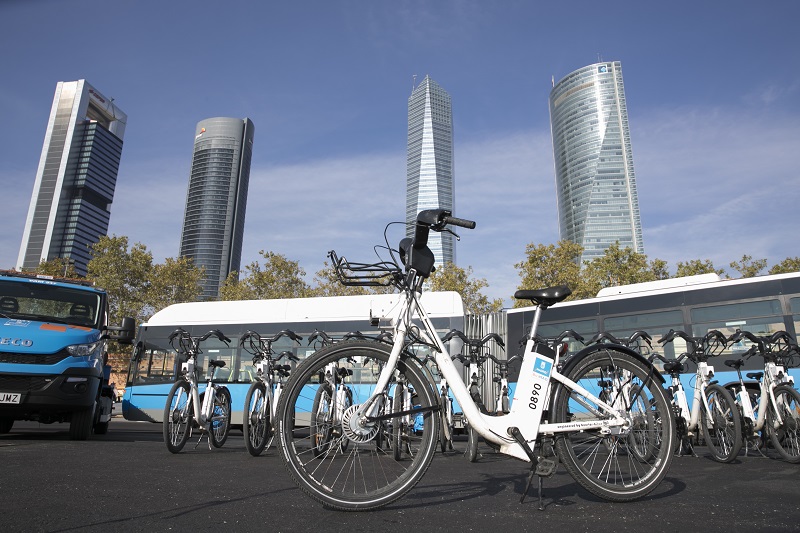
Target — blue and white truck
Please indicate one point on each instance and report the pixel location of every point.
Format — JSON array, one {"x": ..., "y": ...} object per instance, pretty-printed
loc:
[{"x": 53, "y": 359}]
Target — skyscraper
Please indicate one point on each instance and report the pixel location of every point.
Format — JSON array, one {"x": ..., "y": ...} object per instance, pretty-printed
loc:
[
  {"x": 213, "y": 223},
  {"x": 429, "y": 162},
  {"x": 77, "y": 174},
  {"x": 596, "y": 186}
]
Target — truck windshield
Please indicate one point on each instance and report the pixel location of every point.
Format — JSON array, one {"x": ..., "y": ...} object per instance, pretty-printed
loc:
[{"x": 23, "y": 300}]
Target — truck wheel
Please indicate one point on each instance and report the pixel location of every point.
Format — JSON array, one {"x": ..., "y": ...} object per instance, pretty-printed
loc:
[
  {"x": 101, "y": 428},
  {"x": 80, "y": 425},
  {"x": 5, "y": 424}
]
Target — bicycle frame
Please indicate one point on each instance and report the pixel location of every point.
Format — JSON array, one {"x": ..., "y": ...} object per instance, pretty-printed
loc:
[
  {"x": 537, "y": 374},
  {"x": 703, "y": 376},
  {"x": 203, "y": 417},
  {"x": 774, "y": 375}
]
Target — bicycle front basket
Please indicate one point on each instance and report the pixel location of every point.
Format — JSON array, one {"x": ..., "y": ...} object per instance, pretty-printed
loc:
[{"x": 382, "y": 274}]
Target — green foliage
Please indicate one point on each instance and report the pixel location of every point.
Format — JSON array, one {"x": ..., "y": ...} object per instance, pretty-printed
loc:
[
  {"x": 748, "y": 267},
  {"x": 175, "y": 281},
  {"x": 450, "y": 277},
  {"x": 694, "y": 267},
  {"x": 549, "y": 265},
  {"x": 618, "y": 266},
  {"x": 278, "y": 278},
  {"x": 790, "y": 264},
  {"x": 124, "y": 273},
  {"x": 60, "y": 267}
]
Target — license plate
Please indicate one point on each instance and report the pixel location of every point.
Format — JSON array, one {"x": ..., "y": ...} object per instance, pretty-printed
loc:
[{"x": 10, "y": 397}]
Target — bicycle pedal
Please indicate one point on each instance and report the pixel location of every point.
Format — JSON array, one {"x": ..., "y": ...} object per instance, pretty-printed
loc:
[{"x": 546, "y": 467}]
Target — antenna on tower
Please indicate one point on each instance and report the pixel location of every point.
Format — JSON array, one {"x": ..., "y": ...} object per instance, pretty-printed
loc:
[
  {"x": 599, "y": 58},
  {"x": 553, "y": 80},
  {"x": 413, "y": 83}
]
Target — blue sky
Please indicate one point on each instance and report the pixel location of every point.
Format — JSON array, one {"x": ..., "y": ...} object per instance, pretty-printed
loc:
[{"x": 713, "y": 93}]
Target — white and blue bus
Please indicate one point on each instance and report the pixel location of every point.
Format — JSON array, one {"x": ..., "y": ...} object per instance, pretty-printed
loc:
[
  {"x": 696, "y": 305},
  {"x": 153, "y": 366}
]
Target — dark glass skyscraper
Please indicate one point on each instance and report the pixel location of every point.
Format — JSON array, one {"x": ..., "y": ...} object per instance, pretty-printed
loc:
[
  {"x": 213, "y": 223},
  {"x": 429, "y": 164},
  {"x": 595, "y": 183},
  {"x": 74, "y": 188}
]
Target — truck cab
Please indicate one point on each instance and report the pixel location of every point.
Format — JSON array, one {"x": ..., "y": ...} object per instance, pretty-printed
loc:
[{"x": 53, "y": 336}]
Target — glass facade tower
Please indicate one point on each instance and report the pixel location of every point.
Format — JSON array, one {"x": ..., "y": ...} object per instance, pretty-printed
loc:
[
  {"x": 596, "y": 186},
  {"x": 213, "y": 223},
  {"x": 71, "y": 202},
  {"x": 429, "y": 164}
]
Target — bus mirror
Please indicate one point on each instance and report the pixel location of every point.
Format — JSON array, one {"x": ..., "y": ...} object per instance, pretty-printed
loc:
[{"x": 125, "y": 333}]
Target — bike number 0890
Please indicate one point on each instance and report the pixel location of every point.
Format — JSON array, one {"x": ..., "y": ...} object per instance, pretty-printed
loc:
[{"x": 534, "y": 403}]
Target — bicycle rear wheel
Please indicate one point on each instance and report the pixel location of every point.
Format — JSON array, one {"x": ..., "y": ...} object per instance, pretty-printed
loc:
[
  {"x": 786, "y": 436},
  {"x": 613, "y": 465},
  {"x": 723, "y": 433},
  {"x": 365, "y": 476},
  {"x": 177, "y": 417},
  {"x": 257, "y": 426},
  {"x": 220, "y": 417}
]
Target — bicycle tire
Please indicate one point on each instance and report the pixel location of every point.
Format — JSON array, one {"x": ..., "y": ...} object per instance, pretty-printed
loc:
[
  {"x": 397, "y": 423},
  {"x": 723, "y": 433},
  {"x": 785, "y": 438},
  {"x": 256, "y": 425},
  {"x": 640, "y": 440},
  {"x": 471, "y": 452},
  {"x": 220, "y": 425},
  {"x": 321, "y": 425},
  {"x": 445, "y": 434},
  {"x": 603, "y": 463},
  {"x": 348, "y": 401},
  {"x": 177, "y": 418},
  {"x": 374, "y": 478}
]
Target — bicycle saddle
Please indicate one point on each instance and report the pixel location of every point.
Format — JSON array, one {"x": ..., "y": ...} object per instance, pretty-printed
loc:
[{"x": 544, "y": 297}]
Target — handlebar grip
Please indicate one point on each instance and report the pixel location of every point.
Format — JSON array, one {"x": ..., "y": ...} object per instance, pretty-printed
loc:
[{"x": 460, "y": 222}]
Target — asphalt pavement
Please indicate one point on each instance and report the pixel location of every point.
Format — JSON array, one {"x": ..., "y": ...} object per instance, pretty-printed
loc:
[{"x": 126, "y": 480}]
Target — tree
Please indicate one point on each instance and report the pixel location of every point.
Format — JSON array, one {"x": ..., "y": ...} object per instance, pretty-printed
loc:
[
  {"x": 123, "y": 273},
  {"x": 790, "y": 264},
  {"x": 549, "y": 265},
  {"x": 62, "y": 267},
  {"x": 450, "y": 277},
  {"x": 660, "y": 269},
  {"x": 694, "y": 267},
  {"x": 616, "y": 267},
  {"x": 279, "y": 278},
  {"x": 748, "y": 267},
  {"x": 175, "y": 281}
]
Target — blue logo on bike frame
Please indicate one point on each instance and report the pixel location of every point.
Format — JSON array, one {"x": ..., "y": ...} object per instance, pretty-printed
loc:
[{"x": 542, "y": 367}]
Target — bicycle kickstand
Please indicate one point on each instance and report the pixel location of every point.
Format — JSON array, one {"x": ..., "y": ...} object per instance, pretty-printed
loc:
[{"x": 540, "y": 466}]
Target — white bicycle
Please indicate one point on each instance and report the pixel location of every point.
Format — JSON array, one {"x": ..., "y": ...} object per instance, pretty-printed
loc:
[
  {"x": 770, "y": 406},
  {"x": 589, "y": 435},
  {"x": 264, "y": 392},
  {"x": 186, "y": 407},
  {"x": 713, "y": 412}
]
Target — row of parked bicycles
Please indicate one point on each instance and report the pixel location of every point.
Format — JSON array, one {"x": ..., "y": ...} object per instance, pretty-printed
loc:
[
  {"x": 359, "y": 419},
  {"x": 757, "y": 410}
]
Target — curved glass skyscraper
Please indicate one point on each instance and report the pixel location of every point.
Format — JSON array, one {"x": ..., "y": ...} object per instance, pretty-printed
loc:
[
  {"x": 213, "y": 223},
  {"x": 596, "y": 186},
  {"x": 429, "y": 163}
]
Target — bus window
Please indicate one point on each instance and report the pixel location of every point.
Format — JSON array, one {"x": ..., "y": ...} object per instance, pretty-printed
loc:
[
  {"x": 761, "y": 318},
  {"x": 154, "y": 365}
]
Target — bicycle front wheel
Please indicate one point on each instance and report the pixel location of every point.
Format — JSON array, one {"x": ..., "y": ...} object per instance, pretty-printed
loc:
[
  {"x": 629, "y": 461},
  {"x": 364, "y": 476},
  {"x": 471, "y": 452},
  {"x": 785, "y": 436},
  {"x": 257, "y": 424},
  {"x": 722, "y": 431},
  {"x": 177, "y": 416},
  {"x": 220, "y": 417}
]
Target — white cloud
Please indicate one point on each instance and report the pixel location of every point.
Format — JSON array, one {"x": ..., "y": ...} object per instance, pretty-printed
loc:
[{"x": 717, "y": 184}]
